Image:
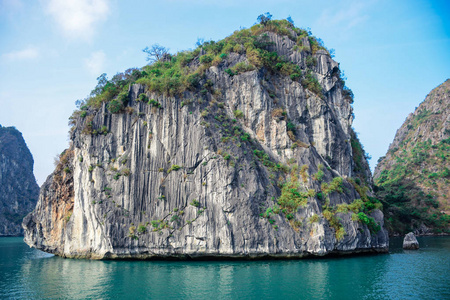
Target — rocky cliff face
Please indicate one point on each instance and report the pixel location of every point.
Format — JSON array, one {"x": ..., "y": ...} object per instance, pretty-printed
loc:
[
  {"x": 249, "y": 163},
  {"x": 18, "y": 188},
  {"x": 413, "y": 177}
]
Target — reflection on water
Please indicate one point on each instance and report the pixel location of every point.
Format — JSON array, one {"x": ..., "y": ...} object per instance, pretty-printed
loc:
[
  {"x": 61, "y": 278},
  {"x": 30, "y": 274}
]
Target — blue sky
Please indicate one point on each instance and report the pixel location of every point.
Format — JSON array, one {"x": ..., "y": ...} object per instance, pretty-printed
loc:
[{"x": 51, "y": 52}]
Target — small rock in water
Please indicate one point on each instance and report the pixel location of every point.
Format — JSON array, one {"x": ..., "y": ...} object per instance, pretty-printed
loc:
[{"x": 410, "y": 242}]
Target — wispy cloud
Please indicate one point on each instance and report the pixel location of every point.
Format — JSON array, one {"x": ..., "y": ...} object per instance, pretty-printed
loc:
[
  {"x": 345, "y": 18},
  {"x": 95, "y": 63},
  {"x": 78, "y": 18},
  {"x": 24, "y": 54}
]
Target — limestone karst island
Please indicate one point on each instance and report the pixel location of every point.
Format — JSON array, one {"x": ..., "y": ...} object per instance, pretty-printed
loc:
[
  {"x": 241, "y": 148},
  {"x": 18, "y": 188}
]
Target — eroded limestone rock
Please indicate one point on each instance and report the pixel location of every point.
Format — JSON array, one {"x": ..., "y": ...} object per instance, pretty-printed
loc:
[
  {"x": 410, "y": 242},
  {"x": 194, "y": 178}
]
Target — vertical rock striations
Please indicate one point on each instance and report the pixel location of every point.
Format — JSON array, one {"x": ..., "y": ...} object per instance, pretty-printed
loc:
[
  {"x": 413, "y": 177},
  {"x": 18, "y": 188},
  {"x": 240, "y": 148}
]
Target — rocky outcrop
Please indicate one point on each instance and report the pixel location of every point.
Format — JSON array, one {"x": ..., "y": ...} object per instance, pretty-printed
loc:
[
  {"x": 410, "y": 242},
  {"x": 252, "y": 165},
  {"x": 413, "y": 177},
  {"x": 18, "y": 188}
]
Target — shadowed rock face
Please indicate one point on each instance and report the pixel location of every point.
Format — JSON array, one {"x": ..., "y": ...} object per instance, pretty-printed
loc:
[
  {"x": 200, "y": 176},
  {"x": 18, "y": 188}
]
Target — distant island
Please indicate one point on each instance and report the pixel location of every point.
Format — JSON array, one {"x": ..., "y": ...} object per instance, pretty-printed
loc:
[
  {"x": 18, "y": 188},
  {"x": 413, "y": 178}
]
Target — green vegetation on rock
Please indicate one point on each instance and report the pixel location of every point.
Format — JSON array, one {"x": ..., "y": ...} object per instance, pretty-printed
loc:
[
  {"x": 413, "y": 178},
  {"x": 173, "y": 75}
]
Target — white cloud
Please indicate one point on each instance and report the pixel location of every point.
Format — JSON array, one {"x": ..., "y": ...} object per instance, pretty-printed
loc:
[
  {"x": 78, "y": 18},
  {"x": 95, "y": 63},
  {"x": 25, "y": 54}
]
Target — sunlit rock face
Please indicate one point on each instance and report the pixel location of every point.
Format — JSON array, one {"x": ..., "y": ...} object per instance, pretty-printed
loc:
[{"x": 201, "y": 174}]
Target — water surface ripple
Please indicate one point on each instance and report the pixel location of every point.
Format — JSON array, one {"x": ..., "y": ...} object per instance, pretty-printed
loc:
[{"x": 27, "y": 273}]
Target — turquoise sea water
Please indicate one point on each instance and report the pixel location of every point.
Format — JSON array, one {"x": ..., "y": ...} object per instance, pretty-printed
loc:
[{"x": 424, "y": 274}]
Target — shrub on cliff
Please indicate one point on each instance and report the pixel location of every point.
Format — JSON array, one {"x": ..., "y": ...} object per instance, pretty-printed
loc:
[
  {"x": 264, "y": 18},
  {"x": 115, "y": 106}
]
